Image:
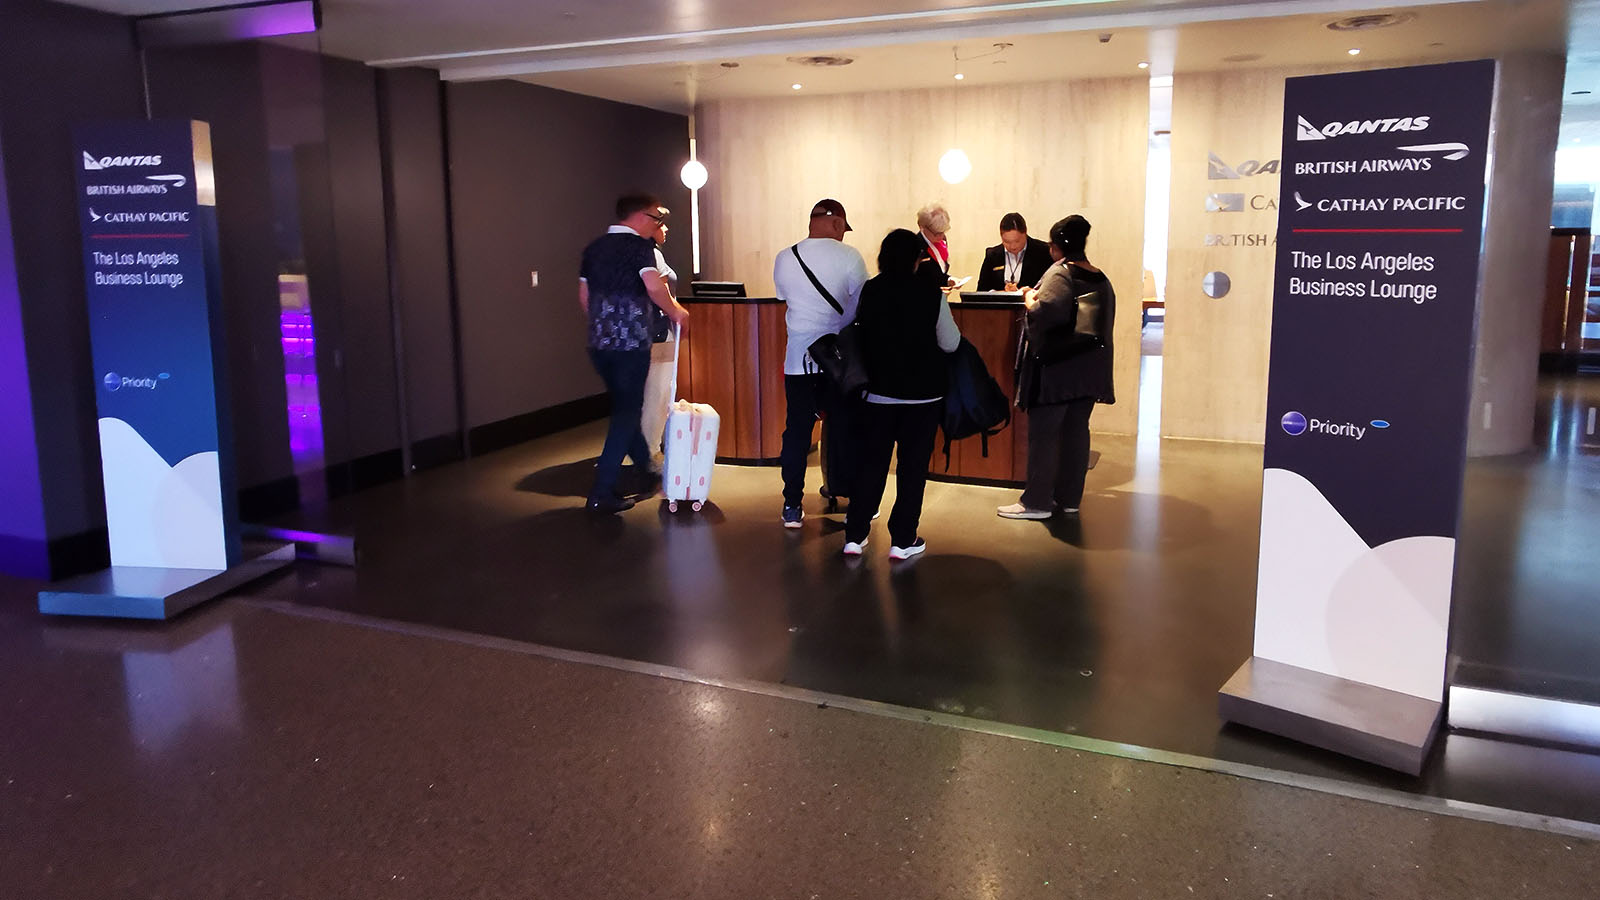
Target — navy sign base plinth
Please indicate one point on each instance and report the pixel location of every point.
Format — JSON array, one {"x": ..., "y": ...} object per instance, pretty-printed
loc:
[
  {"x": 135, "y": 592},
  {"x": 1375, "y": 725}
]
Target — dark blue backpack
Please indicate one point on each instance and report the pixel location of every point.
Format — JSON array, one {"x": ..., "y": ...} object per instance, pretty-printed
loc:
[{"x": 974, "y": 404}]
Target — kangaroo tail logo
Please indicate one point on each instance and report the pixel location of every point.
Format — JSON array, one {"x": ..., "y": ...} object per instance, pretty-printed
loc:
[
  {"x": 90, "y": 163},
  {"x": 1306, "y": 131},
  {"x": 1451, "y": 150},
  {"x": 1217, "y": 170}
]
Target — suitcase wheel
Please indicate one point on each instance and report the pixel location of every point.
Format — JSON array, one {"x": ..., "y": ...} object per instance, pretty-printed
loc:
[
  {"x": 697, "y": 505},
  {"x": 672, "y": 506}
]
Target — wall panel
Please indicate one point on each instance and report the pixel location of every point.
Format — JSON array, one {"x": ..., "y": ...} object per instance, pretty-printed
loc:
[
  {"x": 1045, "y": 150},
  {"x": 1215, "y": 350}
]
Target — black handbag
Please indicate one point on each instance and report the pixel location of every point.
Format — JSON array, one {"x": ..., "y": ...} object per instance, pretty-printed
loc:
[
  {"x": 837, "y": 355},
  {"x": 1064, "y": 341},
  {"x": 839, "y": 358}
]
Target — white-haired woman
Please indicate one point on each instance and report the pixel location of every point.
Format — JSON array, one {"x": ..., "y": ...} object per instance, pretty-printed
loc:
[{"x": 933, "y": 222}]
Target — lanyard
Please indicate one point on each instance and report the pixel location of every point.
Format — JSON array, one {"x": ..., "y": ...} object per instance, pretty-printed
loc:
[{"x": 1013, "y": 276}]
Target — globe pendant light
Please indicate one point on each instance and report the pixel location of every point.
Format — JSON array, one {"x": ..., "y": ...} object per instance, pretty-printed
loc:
[
  {"x": 954, "y": 166},
  {"x": 694, "y": 174}
]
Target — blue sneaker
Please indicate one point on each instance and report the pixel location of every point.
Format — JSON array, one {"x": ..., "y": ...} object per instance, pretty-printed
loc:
[{"x": 792, "y": 516}]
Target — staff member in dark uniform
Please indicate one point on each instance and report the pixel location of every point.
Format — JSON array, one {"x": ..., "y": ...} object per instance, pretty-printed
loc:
[{"x": 1017, "y": 262}]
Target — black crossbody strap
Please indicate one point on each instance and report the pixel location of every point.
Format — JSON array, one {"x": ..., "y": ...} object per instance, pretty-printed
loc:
[{"x": 814, "y": 282}]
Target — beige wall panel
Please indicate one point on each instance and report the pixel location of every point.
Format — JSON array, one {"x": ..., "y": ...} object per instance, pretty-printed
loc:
[
  {"x": 1044, "y": 150},
  {"x": 1215, "y": 351}
]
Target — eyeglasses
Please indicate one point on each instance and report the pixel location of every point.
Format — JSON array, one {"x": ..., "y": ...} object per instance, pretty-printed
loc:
[{"x": 660, "y": 220}]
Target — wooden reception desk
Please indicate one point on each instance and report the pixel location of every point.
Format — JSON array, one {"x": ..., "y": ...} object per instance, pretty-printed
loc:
[{"x": 732, "y": 358}]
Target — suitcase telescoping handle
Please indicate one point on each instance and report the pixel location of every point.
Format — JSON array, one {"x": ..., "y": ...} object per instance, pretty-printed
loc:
[{"x": 677, "y": 345}]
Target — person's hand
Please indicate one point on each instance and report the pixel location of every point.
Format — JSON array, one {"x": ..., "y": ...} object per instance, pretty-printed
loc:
[
  {"x": 1011, "y": 285},
  {"x": 679, "y": 316},
  {"x": 1030, "y": 298}
]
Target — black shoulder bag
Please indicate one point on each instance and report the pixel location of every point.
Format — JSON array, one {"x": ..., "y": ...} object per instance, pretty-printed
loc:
[
  {"x": 1065, "y": 341},
  {"x": 837, "y": 355}
]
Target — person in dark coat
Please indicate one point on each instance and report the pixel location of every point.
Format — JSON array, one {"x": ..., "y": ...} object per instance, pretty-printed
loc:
[
  {"x": 1017, "y": 262},
  {"x": 905, "y": 329},
  {"x": 1061, "y": 374}
]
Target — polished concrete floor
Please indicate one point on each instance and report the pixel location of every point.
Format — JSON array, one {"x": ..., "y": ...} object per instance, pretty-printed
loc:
[
  {"x": 1527, "y": 612},
  {"x": 245, "y": 752},
  {"x": 1119, "y": 625}
]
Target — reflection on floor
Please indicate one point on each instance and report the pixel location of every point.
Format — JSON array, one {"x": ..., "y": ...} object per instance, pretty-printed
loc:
[
  {"x": 1120, "y": 625},
  {"x": 1527, "y": 608}
]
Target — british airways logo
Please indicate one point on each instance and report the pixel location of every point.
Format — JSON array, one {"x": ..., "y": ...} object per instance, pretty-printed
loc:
[
  {"x": 1305, "y": 131},
  {"x": 92, "y": 164}
]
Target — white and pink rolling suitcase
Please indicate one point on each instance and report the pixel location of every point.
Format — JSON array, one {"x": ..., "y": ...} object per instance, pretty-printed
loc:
[{"x": 690, "y": 446}]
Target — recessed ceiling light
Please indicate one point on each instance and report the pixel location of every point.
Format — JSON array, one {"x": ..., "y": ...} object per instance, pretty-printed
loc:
[
  {"x": 822, "y": 62},
  {"x": 1355, "y": 51},
  {"x": 796, "y": 86},
  {"x": 960, "y": 77},
  {"x": 1369, "y": 22},
  {"x": 1144, "y": 65}
]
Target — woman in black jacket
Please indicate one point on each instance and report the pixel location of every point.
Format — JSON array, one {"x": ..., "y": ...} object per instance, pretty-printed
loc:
[
  {"x": 904, "y": 331},
  {"x": 1064, "y": 371}
]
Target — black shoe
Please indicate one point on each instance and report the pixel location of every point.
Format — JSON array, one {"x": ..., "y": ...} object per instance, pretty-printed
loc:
[
  {"x": 608, "y": 505},
  {"x": 638, "y": 482}
]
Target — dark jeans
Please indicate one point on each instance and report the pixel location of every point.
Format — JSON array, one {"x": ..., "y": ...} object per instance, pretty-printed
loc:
[
  {"x": 1058, "y": 454},
  {"x": 624, "y": 372},
  {"x": 893, "y": 428},
  {"x": 805, "y": 396}
]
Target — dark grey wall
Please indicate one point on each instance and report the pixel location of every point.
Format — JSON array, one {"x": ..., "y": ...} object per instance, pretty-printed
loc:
[
  {"x": 223, "y": 86},
  {"x": 534, "y": 174},
  {"x": 322, "y": 113},
  {"x": 365, "y": 329},
  {"x": 411, "y": 101},
  {"x": 59, "y": 65}
]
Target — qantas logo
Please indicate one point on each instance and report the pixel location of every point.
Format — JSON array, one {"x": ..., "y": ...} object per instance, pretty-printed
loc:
[
  {"x": 1306, "y": 131},
  {"x": 1217, "y": 170},
  {"x": 117, "y": 162}
]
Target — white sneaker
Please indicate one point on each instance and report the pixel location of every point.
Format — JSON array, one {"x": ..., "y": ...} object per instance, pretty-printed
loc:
[
  {"x": 917, "y": 546},
  {"x": 1018, "y": 511},
  {"x": 851, "y": 548},
  {"x": 1069, "y": 510}
]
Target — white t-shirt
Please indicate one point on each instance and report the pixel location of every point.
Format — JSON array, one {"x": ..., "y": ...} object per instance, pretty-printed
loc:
[{"x": 808, "y": 316}]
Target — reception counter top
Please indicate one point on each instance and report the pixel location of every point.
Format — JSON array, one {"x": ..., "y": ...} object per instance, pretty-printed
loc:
[{"x": 732, "y": 358}]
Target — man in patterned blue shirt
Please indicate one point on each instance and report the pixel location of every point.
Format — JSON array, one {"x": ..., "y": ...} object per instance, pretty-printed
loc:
[{"x": 618, "y": 284}]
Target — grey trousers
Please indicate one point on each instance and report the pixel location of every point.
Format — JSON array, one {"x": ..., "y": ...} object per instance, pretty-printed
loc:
[{"x": 1058, "y": 454}]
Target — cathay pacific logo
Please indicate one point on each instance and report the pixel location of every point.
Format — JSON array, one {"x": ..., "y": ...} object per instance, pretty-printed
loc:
[
  {"x": 91, "y": 164},
  {"x": 1305, "y": 131}
]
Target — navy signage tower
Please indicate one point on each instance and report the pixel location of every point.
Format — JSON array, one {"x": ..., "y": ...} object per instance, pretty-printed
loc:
[
  {"x": 147, "y": 209},
  {"x": 1380, "y": 226}
]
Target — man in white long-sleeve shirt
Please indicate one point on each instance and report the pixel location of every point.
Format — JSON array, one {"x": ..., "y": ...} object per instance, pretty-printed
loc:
[{"x": 817, "y": 303}]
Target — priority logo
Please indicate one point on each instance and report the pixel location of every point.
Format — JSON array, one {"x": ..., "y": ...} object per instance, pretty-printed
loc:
[
  {"x": 1305, "y": 131},
  {"x": 115, "y": 382},
  {"x": 91, "y": 164},
  {"x": 1296, "y": 423}
]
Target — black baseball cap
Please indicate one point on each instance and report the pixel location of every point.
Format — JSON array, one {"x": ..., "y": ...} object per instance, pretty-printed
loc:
[{"x": 831, "y": 208}]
